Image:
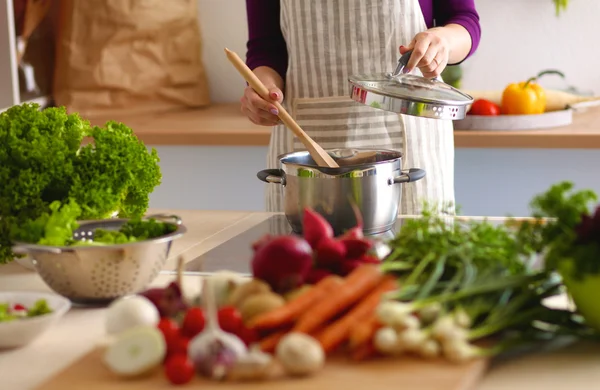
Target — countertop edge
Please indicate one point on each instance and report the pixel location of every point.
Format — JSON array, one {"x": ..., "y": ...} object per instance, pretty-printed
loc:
[{"x": 222, "y": 124}]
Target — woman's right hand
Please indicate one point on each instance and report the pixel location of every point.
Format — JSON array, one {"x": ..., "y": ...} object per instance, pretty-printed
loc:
[{"x": 258, "y": 110}]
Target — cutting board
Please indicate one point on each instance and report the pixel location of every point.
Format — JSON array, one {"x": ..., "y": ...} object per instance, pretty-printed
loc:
[
  {"x": 399, "y": 373},
  {"x": 515, "y": 122}
]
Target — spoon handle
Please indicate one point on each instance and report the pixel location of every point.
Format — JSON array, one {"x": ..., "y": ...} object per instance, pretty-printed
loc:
[{"x": 320, "y": 156}]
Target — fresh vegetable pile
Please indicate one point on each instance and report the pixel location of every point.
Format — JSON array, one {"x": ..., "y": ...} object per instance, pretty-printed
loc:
[
  {"x": 463, "y": 284},
  {"x": 50, "y": 160},
  {"x": 523, "y": 98},
  {"x": 448, "y": 289},
  {"x": 570, "y": 243},
  {"x": 310, "y": 258},
  {"x": 160, "y": 327},
  {"x": 12, "y": 312}
]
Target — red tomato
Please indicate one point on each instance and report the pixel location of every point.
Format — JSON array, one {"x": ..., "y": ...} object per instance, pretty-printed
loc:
[
  {"x": 484, "y": 107},
  {"x": 248, "y": 336},
  {"x": 170, "y": 332},
  {"x": 230, "y": 320},
  {"x": 168, "y": 327},
  {"x": 179, "y": 370},
  {"x": 19, "y": 307},
  {"x": 193, "y": 322},
  {"x": 177, "y": 346}
]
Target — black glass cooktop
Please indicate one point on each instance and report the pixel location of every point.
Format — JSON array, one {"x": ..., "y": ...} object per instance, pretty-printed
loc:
[{"x": 235, "y": 254}]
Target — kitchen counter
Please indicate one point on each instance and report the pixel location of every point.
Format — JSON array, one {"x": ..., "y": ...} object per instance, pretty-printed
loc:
[
  {"x": 82, "y": 328},
  {"x": 224, "y": 125}
]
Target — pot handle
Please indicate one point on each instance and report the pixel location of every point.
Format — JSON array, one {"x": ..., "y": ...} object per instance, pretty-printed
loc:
[
  {"x": 274, "y": 176},
  {"x": 413, "y": 174}
]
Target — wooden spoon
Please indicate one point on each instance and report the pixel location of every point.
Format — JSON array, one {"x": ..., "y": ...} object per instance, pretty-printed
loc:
[{"x": 317, "y": 153}]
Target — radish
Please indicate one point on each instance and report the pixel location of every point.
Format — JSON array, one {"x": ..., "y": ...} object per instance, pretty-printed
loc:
[
  {"x": 315, "y": 227},
  {"x": 283, "y": 263},
  {"x": 356, "y": 233},
  {"x": 136, "y": 351},
  {"x": 129, "y": 312},
  {"x": 347, "y": 266},
  {"x": 316, "y": 275},
  {"x": 330, "y": 252},
  {"x": 356, "y": 247},
  {"x": 369, "y": 259}
]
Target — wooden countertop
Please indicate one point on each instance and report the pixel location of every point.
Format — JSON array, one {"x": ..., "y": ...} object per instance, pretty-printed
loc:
[
  {"x": 82, "y": 328},
  {"x": 224, "y": 125}
]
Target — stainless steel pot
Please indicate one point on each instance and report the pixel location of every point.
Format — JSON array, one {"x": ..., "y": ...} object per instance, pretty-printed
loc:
[{"x": 369, "y": 178}]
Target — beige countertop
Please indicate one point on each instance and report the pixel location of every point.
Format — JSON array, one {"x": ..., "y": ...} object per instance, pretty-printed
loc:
[
  {"x": 82, "y": 328},
  {"x": 224, "y": 125}
]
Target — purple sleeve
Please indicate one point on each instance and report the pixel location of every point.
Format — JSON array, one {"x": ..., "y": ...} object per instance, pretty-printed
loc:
[
  {"x": 266, "y": 46},
  {"x": 460, "y": 12}
]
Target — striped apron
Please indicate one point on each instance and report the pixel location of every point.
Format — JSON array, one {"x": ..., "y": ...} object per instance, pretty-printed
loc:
[{"x": 329, "y": 40}]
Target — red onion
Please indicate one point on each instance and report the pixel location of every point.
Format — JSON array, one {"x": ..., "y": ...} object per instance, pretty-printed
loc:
[{"x": 283, "y": 262}]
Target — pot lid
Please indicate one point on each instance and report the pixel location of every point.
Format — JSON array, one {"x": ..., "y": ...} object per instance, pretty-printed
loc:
[{"x": 408, "y": 87}]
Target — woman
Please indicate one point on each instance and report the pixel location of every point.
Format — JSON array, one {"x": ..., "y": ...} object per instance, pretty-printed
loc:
[{"x": 309, "y": 48}]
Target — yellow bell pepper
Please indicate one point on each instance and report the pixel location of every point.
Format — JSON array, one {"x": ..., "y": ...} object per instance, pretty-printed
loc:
[{"x": 526, "y": 97}]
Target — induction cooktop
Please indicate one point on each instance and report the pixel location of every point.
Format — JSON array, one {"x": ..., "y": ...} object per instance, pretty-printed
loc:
[{"x": 235, "y": 254}]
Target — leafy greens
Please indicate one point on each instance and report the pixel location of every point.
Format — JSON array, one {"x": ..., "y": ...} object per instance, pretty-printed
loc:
[{"x": 56, "y": 167}]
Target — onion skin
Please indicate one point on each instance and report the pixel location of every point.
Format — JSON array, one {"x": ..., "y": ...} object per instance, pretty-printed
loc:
[
  {"x": 130, "y": 312},
  {"x": 168, "y": 301},
  {"x": 283, "y": 263},
  {"x": 213, "y": 360}
]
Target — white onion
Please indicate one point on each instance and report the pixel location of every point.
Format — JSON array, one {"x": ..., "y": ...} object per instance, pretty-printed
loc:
[
  {"x": 136, "y": 351},
  {"x": 129, "y": 312}
]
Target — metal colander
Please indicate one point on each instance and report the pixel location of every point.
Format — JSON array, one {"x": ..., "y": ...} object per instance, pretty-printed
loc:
[{"x": 100, "y": 274}]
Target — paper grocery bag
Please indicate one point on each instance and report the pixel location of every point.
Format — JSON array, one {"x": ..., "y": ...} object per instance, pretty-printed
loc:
[{"x": 129, "y": 56}]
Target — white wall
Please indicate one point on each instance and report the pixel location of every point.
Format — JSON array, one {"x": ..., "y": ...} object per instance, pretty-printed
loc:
[
  {"x": 494, "y": 182},
  {"x": 520, "y": 38}
]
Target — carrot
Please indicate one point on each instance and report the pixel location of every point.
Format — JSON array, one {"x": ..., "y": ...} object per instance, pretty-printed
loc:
[
  {"x": 362, "y": 332},
  {"x": 269, "y": 343},
  {"x": 356, "y": 285},
  {"x": 292, "y": 310},
  {"x": 336, "y": 333},
  {"x": 364, "y": 352}
]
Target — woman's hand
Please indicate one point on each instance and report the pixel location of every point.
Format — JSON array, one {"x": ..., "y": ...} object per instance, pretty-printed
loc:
[
  {"x": 431, "y": 51},
  {"x": 257, "y": 109}
]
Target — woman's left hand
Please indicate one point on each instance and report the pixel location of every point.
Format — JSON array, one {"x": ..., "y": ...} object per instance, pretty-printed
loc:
[{"x": 430, "y": 53}]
